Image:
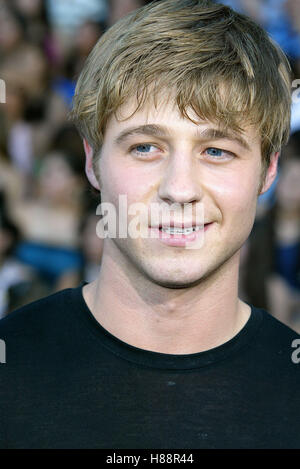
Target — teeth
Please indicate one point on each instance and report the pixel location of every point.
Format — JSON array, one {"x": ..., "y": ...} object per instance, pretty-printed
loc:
[{"x": 184, "y": 231}]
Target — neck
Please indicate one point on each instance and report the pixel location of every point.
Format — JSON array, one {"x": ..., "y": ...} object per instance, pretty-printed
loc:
[{"x": 174, "y": 321}]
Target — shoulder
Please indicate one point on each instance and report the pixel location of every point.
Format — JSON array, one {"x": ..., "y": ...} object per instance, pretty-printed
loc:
[
  {"x": 38, "y": 316},
  {"x": 276, "y": 345},
  {"x": 41, "y": 332},
  {"x": 278, "y": 333}
]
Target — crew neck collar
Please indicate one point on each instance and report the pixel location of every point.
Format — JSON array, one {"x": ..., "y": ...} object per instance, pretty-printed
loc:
[{"x": 165, "y": 361}]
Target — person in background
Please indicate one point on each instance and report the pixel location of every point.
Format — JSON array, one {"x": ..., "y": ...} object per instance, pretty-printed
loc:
[
  {"x": 270, "y": 268},
  {"x": 14, "y": 276},
  {"x": 65, "y": 17},
  {"x": 88, "y": 34},
  {"x": 49, "y": 222},
  {"x": 283, "y": 286},
  {"x": 34, "y": 16}
]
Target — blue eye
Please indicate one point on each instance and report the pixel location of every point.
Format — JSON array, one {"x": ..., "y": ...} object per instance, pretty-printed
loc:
[
  {"x": 145, "y": 151},
  {"x": 214, "y": 152},
  {"x": 144, "y": 148}
]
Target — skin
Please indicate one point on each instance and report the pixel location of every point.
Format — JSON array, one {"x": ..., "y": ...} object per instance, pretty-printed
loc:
[{"x": 164, "y": 298}]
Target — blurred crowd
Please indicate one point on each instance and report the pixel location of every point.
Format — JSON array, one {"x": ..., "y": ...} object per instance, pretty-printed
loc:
[{"x": 48, "y": 215}]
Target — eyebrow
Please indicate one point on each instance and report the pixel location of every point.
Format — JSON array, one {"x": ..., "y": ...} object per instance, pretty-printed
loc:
[
  {"x": 161, "y": 131},
  {"x": 147, "y": 129}
]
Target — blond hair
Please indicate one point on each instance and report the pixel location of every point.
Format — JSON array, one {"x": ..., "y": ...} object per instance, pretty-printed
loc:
[{"x": 218, "y": 63}]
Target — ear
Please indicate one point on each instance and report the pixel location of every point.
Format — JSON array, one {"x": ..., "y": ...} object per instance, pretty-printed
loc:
[
  {"x": 270, "y": 174},
  {"x": 89, "y": 170}
]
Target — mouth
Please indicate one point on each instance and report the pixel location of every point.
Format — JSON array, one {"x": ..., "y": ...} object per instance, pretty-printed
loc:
[{"x": 179, "y": 236}]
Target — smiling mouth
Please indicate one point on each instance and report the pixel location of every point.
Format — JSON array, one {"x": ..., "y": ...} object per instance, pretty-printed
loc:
[{"x": 179, "y": 233}]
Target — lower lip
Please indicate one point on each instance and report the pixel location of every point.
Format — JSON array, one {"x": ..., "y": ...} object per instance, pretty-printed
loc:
[{"x": 179, "y": 240}]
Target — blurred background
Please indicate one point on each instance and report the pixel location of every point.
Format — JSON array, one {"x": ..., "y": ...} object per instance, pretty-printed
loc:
[{"x": 48, "y": 215}]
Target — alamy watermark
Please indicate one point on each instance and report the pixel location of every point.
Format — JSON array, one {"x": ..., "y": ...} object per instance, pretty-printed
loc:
[
  {"x": 184, "y": 223},
  {"x": 2, "y": 91},
  {"x": 2, "y": 351},
  {"x": 296, "y": 92},
  {"x": 296, "y": 353}
]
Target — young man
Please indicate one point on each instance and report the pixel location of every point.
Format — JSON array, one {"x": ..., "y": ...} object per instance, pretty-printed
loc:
[{"x": 182, "y": 104}]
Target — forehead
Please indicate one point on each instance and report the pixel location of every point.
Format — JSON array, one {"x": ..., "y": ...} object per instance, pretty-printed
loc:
[{"x": 165, "y": 116}]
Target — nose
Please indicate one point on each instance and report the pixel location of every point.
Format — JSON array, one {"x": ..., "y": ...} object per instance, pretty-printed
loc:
[{"x": 180, "y": 181}]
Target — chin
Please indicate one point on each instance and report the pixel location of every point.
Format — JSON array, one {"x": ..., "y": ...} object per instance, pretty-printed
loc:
[
  {"x": 176, "y": 285},
  {"x": 175, "y": 280}
]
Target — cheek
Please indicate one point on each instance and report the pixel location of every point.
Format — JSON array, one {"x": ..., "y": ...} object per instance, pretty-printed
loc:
[
  {"x": 235, "y": 194},
  {"x": 119, "y": 179}
]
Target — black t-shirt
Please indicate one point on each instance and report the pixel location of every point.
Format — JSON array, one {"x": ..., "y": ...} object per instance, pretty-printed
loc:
[{"x": 69, "y": 383}]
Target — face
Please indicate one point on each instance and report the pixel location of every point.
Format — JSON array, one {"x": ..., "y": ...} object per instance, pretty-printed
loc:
[
  {"x": 157, "y": 156},
  {"x": 56, "y": 179}
]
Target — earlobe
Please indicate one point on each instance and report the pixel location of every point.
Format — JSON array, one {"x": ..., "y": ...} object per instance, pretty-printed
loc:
[
  {"x": 271, "y": 173},
  {"x": 89, "y": 170}
]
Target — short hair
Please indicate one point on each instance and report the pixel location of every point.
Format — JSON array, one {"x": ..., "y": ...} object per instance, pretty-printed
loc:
[{"x": 216, "y": 62}]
